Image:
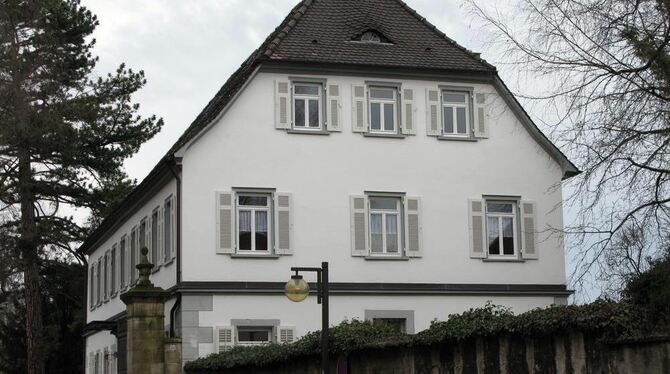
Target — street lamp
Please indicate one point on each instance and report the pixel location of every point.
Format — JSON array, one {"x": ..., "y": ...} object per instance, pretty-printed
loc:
[{"x": 296, "y": 289}]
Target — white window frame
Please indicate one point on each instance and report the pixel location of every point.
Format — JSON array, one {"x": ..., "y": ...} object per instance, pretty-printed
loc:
[
  {"x": 454, "y": 106},
  {"x": 253, "y": 209},
  {"x": 384, "y": 212},
  {"x": 515, "y": 229},
  {"x": 307, "y": 98},
  {"x": 381, "y": 102},
  {"x": 269, "y": 330}
]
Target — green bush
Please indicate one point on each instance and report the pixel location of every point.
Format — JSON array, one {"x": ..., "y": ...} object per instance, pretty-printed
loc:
[
  {"x": 650, "y": 292},
  {"x": 606, "y": 318}
]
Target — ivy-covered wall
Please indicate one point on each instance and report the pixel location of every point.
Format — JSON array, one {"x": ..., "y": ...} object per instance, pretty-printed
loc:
[{"x": 602, "y": 337}]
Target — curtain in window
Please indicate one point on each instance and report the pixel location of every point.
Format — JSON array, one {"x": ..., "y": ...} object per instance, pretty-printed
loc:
[
  {"x": 245, "y": 221},
  {"x": 261, "y": 221}
]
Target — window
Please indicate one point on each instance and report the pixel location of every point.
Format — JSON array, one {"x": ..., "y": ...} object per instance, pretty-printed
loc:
[
  {"x": 397, "y": 324},
  {"x": 154, "y": 238},
  {"x": 91, "y": 286},
  {"x": 385, "y": 225},
  {"x": 383, "y": 117},
  {"x": 501, "y": 228},
  {"x": 254, "y": 335},
  {"x": 112, "y": 271},
  {"x": 98, "y": 283},
  {"x": 455, "y": 113},
  {"x": 371, "y": 36},
  {"x": 253, "y": 222},
  {"x": 167, "y": 230},
  {"x": 105, "y": 265},
  {"x": 133, "y": 255},
  {"x": 122, "y": 262},
  {"x": 143, "y": 233},
  {"x": 307, "y": 106}
]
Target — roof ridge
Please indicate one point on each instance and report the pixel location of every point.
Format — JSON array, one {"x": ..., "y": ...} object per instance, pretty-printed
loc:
[
  {"x": 286, "y": 26},
  {"x": 424, "y": 20}
]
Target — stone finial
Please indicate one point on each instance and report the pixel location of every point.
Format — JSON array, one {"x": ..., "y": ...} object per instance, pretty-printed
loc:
[{"x": 144, "y": 268}]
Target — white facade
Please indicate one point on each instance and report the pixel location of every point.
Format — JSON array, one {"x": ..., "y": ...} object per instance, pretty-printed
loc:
[{"x": 243, "y": 151}]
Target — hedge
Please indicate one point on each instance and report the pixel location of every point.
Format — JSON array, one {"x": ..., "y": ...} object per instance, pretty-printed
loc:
[{"x": 611, "y": 320}]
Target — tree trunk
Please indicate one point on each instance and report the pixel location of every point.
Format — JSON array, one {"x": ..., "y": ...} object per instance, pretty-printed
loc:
[{"x": 29, "y": 252}]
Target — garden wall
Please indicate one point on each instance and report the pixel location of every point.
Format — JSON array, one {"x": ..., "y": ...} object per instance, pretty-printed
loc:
[{"x": 563, "y": 353}]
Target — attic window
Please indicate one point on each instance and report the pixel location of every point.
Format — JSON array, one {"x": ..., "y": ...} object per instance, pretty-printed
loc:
[{"x": 371, "y": 36}]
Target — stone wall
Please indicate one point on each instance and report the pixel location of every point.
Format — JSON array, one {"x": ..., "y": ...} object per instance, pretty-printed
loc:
[{"x": 572, "y": 353}]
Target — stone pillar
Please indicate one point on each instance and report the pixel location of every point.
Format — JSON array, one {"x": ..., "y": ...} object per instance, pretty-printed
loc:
[
  {"x": 145, "y": 305},
  {"x": 173, "y": 356}
]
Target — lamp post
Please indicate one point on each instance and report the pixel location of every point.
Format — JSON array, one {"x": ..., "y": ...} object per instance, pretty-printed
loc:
[{"x": 297, "y": 289}]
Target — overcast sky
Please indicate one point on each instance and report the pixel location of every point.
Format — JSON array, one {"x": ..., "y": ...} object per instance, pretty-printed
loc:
[{"x": 188, "y": 48}]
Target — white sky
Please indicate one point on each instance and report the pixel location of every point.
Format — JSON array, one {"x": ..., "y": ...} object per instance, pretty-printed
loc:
[{"x": 188, "y": 48}]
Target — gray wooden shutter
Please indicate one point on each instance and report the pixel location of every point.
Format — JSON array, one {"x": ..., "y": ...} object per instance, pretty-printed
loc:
[
  {"x": 286, "y": 335},
  {"x": 359, "y": 109},
  {"x": 407, "y": 110},
  {"x": 334, "y": 108},
  {"x": 477, "y": 225},
  {"x": 528, "y": 230},
  {"x": 225, "y": 223},
  {"x": 359, "y": 226},
  {"x": 224, "y": 338},
  {"x": 113, "y": 360},
  {"x": 284, "y": 224},
  {"x": 433, "y": 113},
  {"x": 282, "y": 105},
  {"x": 413, "y": 227},
  {"x": 173, "y": 229},
  {"x": 481, "y": 116}
]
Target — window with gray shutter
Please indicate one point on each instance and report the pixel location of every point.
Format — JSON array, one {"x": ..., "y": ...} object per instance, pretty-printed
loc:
[
  {"x": 477, "y": 228},
  {"x": 413, "y": 227},
  {"x": 225, "y": 223},
  {"x": 284, "y": 226},
  {"x": 481, "y": 125},
  {"x": 282, "y": 105},
  {"x": 359, "y": 109},
  {"x": 529, "y": 245},
  {"x": 359, "y": 225},
  {"x": 407, "y": 110},
  {"x": 433, "y": 115},
  {"x": 334, "y": 110}
]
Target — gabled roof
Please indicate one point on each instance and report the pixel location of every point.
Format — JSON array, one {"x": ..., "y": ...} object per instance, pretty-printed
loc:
[{"x": 322, "y": 31}]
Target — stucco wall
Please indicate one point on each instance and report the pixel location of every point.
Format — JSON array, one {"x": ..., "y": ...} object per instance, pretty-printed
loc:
[{"x": 245, "y": 150}]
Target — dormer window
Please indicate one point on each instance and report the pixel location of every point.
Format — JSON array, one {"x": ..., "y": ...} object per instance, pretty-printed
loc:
[{"x": 371, "y": 36}]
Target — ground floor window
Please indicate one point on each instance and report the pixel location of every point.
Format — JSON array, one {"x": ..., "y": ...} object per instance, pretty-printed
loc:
[
  {"x": 254, "y": 335},
  {"x": 397, "y": 324}
]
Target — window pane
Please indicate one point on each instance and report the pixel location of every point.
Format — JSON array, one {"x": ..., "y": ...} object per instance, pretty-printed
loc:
[
  {"x": 244, "y": 226},
  {"x": 384, "y": 203},
  {"x": 253, "y": 200},
  {"x": 391, "y": 233},
  {"x": 499, "y": 207},
  {"x": 508, "y": 235},
  {"x": 397, "y": 324},
  {"x": 460, "y": 120},
  {"x": 494, "y": 241},
  {"x": 376, "y": 233},
  {"x": 253, "y": 335},
  {"x": 306, "y": 89},
  {"x": 448, "y": 118},
  {"x": 167, "y": 230},
  {"x": 388, "y": 117},
  {"x": 313, "y": 113},
  {"x": 453, "y": 97},
  {"x": 143, "y": 234},
  {"x": 375, "y": 116},
  {"x": 381, "y": 93},
  {"x": 299, "y": 112},
  {"x": 261, "y": 223},
  {"x": 154, "y": 237}
]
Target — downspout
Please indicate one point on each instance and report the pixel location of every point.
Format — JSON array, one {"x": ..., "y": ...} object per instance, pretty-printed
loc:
[{"x": 175, "y": 168}]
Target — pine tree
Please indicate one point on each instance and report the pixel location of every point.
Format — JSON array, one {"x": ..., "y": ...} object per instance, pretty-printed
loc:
[{"x": 64, "y": 135}]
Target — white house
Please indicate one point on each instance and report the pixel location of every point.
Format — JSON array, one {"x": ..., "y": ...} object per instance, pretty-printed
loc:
[{"x": 357, "y": 134}]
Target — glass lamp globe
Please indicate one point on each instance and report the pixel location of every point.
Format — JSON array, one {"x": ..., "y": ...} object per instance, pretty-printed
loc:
[{"x": 296, "y": 289}]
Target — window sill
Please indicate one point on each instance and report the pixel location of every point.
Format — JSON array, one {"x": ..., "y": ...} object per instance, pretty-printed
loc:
[
  {"x": 503, "y": 260},
  {"x": 389, "y": 258},
  {"x": 308, "y": 132},
  {"x": 457, "y": 138},
  {"x": 378, "y": 135},
  {"x": 263, "y": 256}
]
